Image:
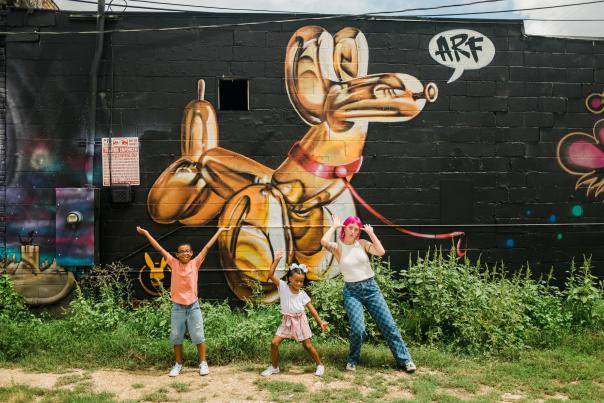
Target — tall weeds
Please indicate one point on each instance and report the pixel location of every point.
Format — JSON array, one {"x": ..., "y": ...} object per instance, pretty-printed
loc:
[{"x": 439, "y": 299}]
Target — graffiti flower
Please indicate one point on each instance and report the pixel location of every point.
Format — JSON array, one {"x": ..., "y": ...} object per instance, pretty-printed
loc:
[{"x": 582, "y": 154}]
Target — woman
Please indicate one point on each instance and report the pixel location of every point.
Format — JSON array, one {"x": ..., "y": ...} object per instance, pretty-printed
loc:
[{"x": 361, "y": 289}]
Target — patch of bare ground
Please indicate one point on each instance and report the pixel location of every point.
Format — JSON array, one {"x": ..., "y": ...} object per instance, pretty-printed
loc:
[
  {"x": 556, "y": 396},
  {"x": 225, "y": 383},
  {"x": 458, "y": 393},
  {"x": 511, "y": 397},
  {"x": 429, "y": 371},
  {"x": 396, "y": 393}
]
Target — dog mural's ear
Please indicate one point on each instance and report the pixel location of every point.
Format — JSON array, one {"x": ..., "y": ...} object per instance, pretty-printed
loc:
[
  {"x": 351, "y": 54},
  {"x": 309, "y": 71}
]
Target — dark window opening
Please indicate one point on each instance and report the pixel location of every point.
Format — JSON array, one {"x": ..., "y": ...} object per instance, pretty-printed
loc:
[{"x": 233, "y": 95}]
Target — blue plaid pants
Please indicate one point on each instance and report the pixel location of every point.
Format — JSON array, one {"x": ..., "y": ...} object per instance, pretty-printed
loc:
[{"x": 367, "y": 294}]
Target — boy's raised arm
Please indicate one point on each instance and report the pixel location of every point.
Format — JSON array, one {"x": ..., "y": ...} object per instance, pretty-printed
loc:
[
  {"x": 271, "y": 270},
  {"x": 153, "y": 242},
  {"x": 204, "y": 251}
]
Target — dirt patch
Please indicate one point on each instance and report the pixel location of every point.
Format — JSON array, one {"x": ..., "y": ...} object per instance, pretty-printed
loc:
[
  {"x": 239, "y": 383},
  {"x": 557, "y": 396},
  {"x": 226, "y": 383},
  {"x": 511, "y": 397}
]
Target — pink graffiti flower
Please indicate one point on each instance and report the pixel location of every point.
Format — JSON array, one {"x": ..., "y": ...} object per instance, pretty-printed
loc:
[{"x": 582, "y": 154}]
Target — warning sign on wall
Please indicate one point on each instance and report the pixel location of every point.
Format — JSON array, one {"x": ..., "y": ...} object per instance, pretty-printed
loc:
[{"x": 121, "y": 154}]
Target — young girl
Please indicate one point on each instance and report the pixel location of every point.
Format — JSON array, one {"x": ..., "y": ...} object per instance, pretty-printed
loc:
[{"x": 294, "y": 324}]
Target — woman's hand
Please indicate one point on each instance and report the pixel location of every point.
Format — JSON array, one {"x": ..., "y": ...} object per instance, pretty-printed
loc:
[
  {"x": 368, "y": 229},
  {"x": 336, "y": 223},
  {"x": 324, "y": 326}
]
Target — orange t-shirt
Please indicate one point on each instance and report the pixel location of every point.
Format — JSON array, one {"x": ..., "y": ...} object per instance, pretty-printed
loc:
[{"x": 183, "y": 287}]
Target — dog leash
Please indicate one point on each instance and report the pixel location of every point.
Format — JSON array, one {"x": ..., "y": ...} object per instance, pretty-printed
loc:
[{"x": 329, "y": 171}]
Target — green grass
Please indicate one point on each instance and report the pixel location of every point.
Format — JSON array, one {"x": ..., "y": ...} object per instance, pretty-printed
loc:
[
  {"x": 72, "y": 379},
  {"x": 572, "y": 370},
  {"x": 475, "y": 335},
  {"x": 282, "y": 391},
  {"x": 159, "y": 395},
  {"x": 26, "y": 394},
  {"x": 180, "y": 387}
]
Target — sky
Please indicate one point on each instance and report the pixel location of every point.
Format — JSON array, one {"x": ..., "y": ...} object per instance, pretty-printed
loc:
[{"x": 580, "y": 29}]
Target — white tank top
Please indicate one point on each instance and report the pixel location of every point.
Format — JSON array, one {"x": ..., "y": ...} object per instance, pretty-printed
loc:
[{"x": 354, "y": 263}]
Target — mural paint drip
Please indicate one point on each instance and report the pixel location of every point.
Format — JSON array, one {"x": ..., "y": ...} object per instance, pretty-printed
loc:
[{"x": 287, "y": 208}]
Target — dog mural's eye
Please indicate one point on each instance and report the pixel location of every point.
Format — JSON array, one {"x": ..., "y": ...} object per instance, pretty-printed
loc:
[
  {"x": 386, "y": 91},
  {"x": 393, "y": 81}
]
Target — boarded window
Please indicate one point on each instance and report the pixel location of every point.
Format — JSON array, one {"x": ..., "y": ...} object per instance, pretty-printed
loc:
[{"x": 233, "y": 94}]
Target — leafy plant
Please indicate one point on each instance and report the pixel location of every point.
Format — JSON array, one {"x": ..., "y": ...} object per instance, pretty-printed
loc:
[
  {"x": 12, "y": 305},
  {"x": 583, "y": 298}
]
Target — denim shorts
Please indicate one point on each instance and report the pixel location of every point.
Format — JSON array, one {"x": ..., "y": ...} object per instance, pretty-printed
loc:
[{"x": 186, "y": 317}]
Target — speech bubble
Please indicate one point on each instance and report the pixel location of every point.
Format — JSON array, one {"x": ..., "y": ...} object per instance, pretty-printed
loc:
[{"x": 461, "y": 49}]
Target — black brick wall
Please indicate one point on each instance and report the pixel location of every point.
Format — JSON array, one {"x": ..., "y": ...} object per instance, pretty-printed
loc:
[
  {"x": 2, "y": 138},
  {"x": 497, "y": 127}
]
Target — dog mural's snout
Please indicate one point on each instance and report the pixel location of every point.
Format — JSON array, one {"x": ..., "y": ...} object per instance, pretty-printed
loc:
[{"x": 430, "y": 93}]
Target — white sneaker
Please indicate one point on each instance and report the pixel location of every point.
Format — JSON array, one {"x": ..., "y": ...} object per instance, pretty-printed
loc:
[
  {"x": 350, "y": 367},
  {"x": 320, "y": 370},
  {"x": 410, "y": 366},
  {"x": 175, "y": 370},
  {"x": 270, "y": 371},
  {"x": 203, "y": 368}
]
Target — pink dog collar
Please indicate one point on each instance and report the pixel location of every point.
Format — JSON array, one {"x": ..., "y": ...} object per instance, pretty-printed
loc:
[{"x": 325, "y": 171}]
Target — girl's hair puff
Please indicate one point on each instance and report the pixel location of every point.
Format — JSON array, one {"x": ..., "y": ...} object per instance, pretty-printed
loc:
[
  {"x": 351, "y": 220},
  {"x": 295, "y": 268}
]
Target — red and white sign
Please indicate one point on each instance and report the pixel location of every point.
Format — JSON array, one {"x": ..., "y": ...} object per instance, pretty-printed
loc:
[{"x": 123, "y": 160}]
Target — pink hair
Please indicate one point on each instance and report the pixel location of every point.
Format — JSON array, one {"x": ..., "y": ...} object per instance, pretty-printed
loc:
[{"x": 351, "y": 220}]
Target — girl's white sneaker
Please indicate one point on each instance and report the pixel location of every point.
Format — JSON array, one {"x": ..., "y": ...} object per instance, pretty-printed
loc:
[
  {"x": 270, "y": 371},
  {"x": 320, "y": 370}
]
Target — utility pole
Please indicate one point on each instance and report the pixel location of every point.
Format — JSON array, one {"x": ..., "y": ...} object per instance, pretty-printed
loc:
[{"x": 94, "y": 75}]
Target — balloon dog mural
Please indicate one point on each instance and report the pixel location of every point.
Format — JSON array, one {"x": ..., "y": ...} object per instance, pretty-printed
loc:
[{"x": 287, "y": 208}]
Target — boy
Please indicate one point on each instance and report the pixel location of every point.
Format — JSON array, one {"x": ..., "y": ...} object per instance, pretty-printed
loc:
[{"x": 183, "y": 293}]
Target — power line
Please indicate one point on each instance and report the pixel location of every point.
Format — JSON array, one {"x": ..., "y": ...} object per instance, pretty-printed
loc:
[
  {"x": 132, "y": 6},
  {"x": 218, "y": 8},
  {"x": 324, "y": 17},
  {"x": 298, "y": 12},
  {"x": 281, "y": 11},
  {"x": 515, "y": 10}
]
